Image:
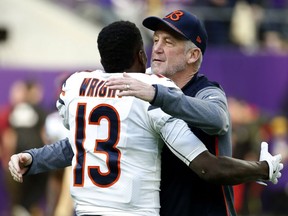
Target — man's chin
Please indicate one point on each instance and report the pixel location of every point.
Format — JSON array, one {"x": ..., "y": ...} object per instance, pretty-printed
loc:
[{"x": 155, "y": 70}]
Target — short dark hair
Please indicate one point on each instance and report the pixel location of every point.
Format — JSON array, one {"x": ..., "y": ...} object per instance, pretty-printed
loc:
[{"x": 117, "y": 44}]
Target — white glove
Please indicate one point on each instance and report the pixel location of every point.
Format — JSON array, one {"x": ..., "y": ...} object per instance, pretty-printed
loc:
[{"x": 274, "y": 164}]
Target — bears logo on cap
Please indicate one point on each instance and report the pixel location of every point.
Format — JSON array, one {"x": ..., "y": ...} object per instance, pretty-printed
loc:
[{"x": 175, "y": 15}]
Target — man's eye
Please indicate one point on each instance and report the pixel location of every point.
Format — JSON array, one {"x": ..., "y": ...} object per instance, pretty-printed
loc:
[{"x": 168, "y": 41}]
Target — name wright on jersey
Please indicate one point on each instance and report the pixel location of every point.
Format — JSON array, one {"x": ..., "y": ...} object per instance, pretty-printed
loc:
[{"x": 93, "y": 87}]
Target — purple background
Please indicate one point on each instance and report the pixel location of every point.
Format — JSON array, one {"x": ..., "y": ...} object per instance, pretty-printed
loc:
[{"x": 259, "y": 79}]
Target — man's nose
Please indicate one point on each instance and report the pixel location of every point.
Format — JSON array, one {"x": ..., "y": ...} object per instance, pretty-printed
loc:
[{"x": 158, "y": 47}]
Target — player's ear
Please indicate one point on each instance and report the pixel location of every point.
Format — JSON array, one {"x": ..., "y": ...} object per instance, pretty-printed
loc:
[{"x": 142, "y": 57}]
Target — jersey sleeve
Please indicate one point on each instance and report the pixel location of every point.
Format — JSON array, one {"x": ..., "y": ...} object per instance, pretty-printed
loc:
[{"x": 177, "y": 135}]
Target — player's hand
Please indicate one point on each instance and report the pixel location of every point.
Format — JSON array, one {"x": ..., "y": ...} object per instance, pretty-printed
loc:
[
  {"x": 18, "y": 165},
  {"x": 274, "y": 162},
  {"x": 129, "y": 86}
]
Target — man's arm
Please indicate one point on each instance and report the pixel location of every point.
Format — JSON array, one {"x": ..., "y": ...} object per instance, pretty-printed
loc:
[
  {"x": 208, "y": 110},
  {"x": 50, "y": 157}
]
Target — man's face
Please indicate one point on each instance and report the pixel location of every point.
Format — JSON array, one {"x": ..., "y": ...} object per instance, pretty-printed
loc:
[{"x": 168, "y": 54}]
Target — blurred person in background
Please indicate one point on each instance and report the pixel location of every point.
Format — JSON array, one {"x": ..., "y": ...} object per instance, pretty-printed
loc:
[
  {"x": 26, "y": 125},
  {"x": 273, "y": 29},
  {"x": 273, "y": 42},
  {"x": 245, "y": 22},
  {"x": 17, "y": 95},
  {"x": 259, "y": 26}
]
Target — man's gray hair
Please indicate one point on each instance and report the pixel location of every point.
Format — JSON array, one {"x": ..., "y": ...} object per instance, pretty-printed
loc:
[{"x": 189, "y": 45}]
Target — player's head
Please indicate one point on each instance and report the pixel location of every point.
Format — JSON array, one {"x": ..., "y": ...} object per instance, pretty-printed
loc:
[
  {"x": 121, "y": 49},
  {"x": 180, "y": 41}
]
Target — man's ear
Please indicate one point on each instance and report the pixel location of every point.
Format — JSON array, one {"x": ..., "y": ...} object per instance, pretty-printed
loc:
[{"x": 193, "y": 55}]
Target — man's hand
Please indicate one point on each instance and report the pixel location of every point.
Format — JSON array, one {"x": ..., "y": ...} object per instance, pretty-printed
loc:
[
  {"x": 274, "y": 162},
  {"x": 129, "y": 86},
  {"x": 18, "y": 165}
]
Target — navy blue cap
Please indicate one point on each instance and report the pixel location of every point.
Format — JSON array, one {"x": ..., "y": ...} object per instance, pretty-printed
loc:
[{"x": 183, "y": 22}]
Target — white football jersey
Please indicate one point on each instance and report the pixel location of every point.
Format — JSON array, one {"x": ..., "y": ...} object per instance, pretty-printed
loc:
[{"x": 117, "y": 144}]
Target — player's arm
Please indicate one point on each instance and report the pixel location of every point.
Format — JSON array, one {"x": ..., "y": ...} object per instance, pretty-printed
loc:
[
  {"x": 224, "y": 170},
  {"x": 231, "y": 171},
  {"x": 50, "y": 157}
]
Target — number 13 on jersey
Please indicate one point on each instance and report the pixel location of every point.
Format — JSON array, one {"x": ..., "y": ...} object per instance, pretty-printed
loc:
[{"x": 104, "y": 146}]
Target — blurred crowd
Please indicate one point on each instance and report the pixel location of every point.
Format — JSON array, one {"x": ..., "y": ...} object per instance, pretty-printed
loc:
[
  {"x": 250, "y": 127},
  {"x": 252, "y": 25}
]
